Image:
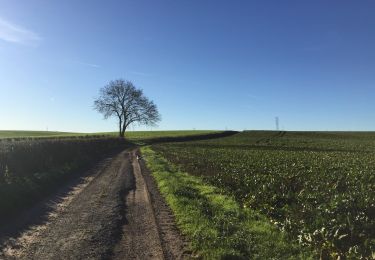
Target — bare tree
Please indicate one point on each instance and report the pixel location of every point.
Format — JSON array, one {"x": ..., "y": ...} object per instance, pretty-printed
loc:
[{"x": 124, "y": 101}]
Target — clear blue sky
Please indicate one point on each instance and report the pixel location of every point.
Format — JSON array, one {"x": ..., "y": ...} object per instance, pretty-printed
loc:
[{"x": 206, "y": 64}]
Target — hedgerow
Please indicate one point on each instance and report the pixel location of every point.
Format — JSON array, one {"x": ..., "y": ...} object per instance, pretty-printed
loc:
[{"x": 30, "y": 169}]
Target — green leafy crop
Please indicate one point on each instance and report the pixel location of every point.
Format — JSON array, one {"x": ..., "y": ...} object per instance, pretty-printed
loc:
[{"x": 316, "y": 187}]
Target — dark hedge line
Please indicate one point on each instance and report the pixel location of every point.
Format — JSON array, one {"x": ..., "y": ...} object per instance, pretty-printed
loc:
[
  {"x": 44, "y": 138},
  {"x": 188, "y": 138},
  {"x": 29, "y": 170}
]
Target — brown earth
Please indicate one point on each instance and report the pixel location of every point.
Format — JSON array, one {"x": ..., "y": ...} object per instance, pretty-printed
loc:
[{"x": 114, "y": 212}]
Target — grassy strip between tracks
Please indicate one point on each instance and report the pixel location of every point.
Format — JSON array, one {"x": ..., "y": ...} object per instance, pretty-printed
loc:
[{"x": 216, "y": 225}]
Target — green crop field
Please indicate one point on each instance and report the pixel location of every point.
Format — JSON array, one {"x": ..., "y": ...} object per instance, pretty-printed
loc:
[
  {"x": 133, "y": 135},
  {"x": 24, "y": 134},
  {"x": 316, "y": 187}
]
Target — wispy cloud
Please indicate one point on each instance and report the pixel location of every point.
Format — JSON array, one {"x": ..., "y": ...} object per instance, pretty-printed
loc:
[
  {"x": 138, "y": 73},
  {"x": 92, "y": 65},
  {"x": 11, "y": 32}
]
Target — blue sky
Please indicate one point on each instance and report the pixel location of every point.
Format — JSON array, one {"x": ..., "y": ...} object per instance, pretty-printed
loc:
[{"x": 206, "y": 64}]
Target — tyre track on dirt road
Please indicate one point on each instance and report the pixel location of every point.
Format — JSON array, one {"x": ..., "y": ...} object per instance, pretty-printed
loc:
[
  {"x": 150, "y": 231},
  {"x": 175, "y": 245},
  {"x": 140, "y": 234}
]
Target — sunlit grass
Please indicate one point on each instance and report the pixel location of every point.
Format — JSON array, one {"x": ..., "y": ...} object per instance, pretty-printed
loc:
[{"x": 216, "y": 224}]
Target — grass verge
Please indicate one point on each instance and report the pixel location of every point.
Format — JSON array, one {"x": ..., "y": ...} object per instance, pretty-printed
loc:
[{"x": 215, "y": 223}]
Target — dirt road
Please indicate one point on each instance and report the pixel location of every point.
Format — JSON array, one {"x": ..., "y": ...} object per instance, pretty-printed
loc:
[{"x": 116, "y": 212}]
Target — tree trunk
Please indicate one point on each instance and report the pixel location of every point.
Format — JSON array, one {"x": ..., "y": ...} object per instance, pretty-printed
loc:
[
  {"x": 123, "y": 130},
  {"x": 120, "y": 129},
  {"x": 122, "y": 133}
]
